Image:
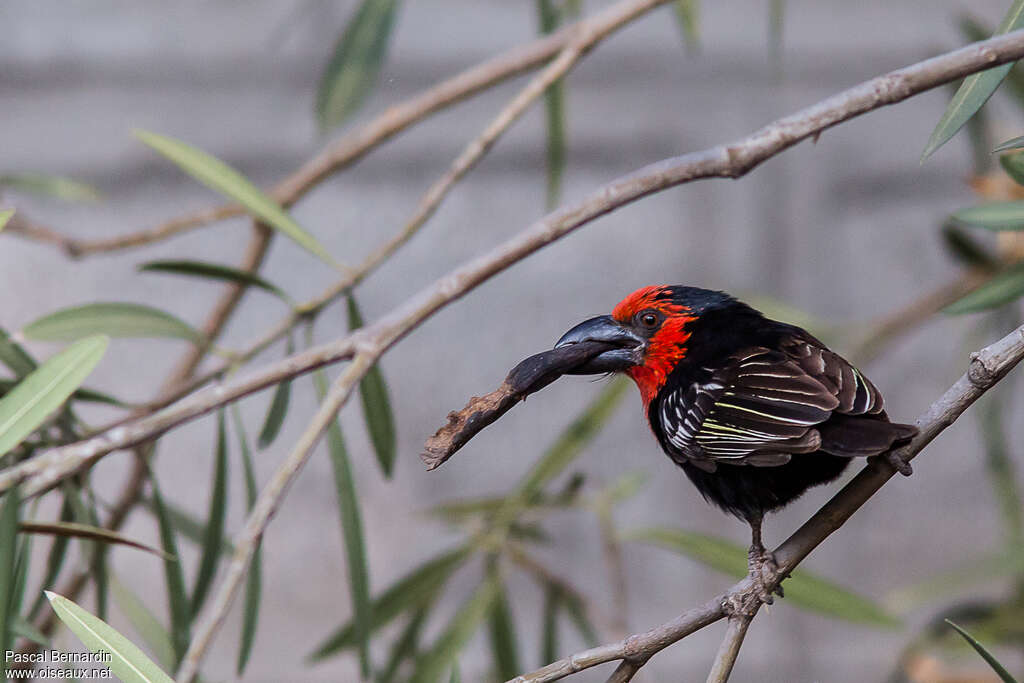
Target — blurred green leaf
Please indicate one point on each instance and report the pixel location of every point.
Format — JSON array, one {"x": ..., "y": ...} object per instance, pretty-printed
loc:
[
  {"x": 57, "y": 187},
  {"x": 554, "y": 107},
  {"x": 1000, "y": 670},
  {"x": 576, "y": 436},
  {"x": 5, "y": 216},
  {"x": 254, "y": 579},
  {"x": 688, "y": 18},
  {"x": 432, "y": 665},
  {"x": 406, "y": 646},
  {"x": 411, "y": 591},
  {"x": 276, "y": 413},
  {"x": 1012, "y": 143},
  {"x": 351, "y": 531},
  {"x": 1001, "y": 289},
  {"x": 24, "y": 629},
  {"x": 974, "y": 32},
  {"x": 145, "y": 623},
  {"x": 217, "y": 272},
  {"x": 355, "y": 62},
  {"x": 184, "y": 523},
  {"x": 128, "y": 662},
  {"x": 8, "y": 538},
  {"x": 966, "y": 249},
  {"x": 803, "y": 589},
  {"x": 113, "y": 319},
  {"x": 86, "y": 531},
  {"x": 213, "y": 533},
  {"x": 975, "y": 90},
  {"x": 577, "y": 612},
  {"x": 549, "y": 630},
  {"x": 14, "y": 356},
  {"x": 41, "y": 392},
  {"x": 991, "y": 413},
  {"x": 504, "y": 645},
  {"x": 54, "y": 559},
  {"x": 220, "y": 177},
  {"x": 373, "y": 390},
  {"x": 993, "y": 215},
  {"x": 456, "y": 676},
  {"x": 776, "y": 24},
  {"x": 177, "y": 598},
  {"x": 1013, "y": 164}
]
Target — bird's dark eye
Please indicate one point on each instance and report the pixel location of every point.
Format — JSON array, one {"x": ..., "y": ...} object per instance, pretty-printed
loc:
[{"x": 648, "y": 319}]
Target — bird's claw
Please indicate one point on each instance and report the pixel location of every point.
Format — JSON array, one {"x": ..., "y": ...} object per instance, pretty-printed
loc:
[
  {"x": 899, "y": 462},
  {"x": 764, "y": 572}
]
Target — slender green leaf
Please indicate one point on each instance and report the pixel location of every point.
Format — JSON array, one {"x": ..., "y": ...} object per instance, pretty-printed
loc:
[
  {"x": 549, "y": 631},
  {"x": 8, "y": 578},
  {"x": 26, "y": 406},
  {"x": 414, "y": 589},
  {"x": 276, "y": 413},
  {"x": 186, "y": 524},
  {"x": 1012, "y": 143},
  {"x": 352, "y": 532},
  {"x": 1000, "y": 670},
  {"x": 113, "y": 319},
  {"x": 5, "y": 216},
  {"x": 572, "y": 441},
  {"x": 355, "y": 62},
  {"x": 974, "y": 32},
  {"x": 217, "y": 272},
  {"x": 406, "y": 646},
  {"x": 1013, "y": 164},
  {"x": 213, "y": 536},
  {"x": 554, "y": 108},
  {"x": 577, "y": 612},
  {"x": 128, "y": 662},
  {"x": 177, "y": 598},
  {"x": 373, "y": 391},
  {"x": 776, "y": 24},
  {"x": 999, "y": 462},
  {"x": 966, "y": 249},
  {"x": 145, "y": 623},
  {"x": 220, "y": 177},
  {"x": 54, "y": 559},
  {"x": 688, "y": 18},
  {"x": 98, "y": 564},
  {"x": 993, "y": 215},
  {"x": 14, "y": 356},
  {"x": 1001, "y": 289},
  {"x": 22, "y": 565},
  {"x": 975, "y": 90},
  {"x": 254, "y": 580},
  {"x": 504, "y": 645},
  {"x": 87, "y": 531},
  {"x": 456, "y": 676},
  {"x": 803, "y": 589},
  {"x": 460, "y": 629},
  {"x": 58, "y": 187},
  {"x": 24, "y": 629}
]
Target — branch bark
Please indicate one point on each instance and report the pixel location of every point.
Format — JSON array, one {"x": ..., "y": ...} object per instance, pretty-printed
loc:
[
  {"x": 731, "y": 161},
  {"x": 985, "y": 369}
]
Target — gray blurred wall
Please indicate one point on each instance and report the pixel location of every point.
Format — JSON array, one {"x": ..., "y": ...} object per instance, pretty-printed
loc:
[{"x": 845, "y": 229}]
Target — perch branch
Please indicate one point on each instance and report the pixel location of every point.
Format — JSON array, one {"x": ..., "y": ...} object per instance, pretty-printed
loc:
[
  {"x": 729, "y": 649},
  {"x": 986, "y": 367},
  {"x": 732, "y": 160}
]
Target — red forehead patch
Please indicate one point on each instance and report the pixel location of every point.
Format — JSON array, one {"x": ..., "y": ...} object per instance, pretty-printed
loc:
[{"x": 657, "y": 297}]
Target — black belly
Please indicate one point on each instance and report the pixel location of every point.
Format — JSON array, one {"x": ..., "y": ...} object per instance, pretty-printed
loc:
[{"x": 749, "y": 492}]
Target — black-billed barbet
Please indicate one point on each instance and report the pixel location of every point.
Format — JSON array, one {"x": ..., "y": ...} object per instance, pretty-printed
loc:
[{"x": 755, "y": 411}]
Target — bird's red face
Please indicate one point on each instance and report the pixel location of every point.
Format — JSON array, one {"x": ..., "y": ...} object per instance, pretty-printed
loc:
[{"x": 648, "y": 331}]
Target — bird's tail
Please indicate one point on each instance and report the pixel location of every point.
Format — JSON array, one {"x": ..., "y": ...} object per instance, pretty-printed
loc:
[{"x": 853, "y": 437}]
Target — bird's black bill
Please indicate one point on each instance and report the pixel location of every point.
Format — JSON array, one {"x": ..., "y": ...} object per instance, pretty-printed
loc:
[{"x": 626, "y": 351}]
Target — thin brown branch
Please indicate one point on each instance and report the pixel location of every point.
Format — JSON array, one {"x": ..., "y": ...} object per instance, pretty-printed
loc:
[
  {"x": 985, "y": 369},
  {"x": 731, "y": 160},
  {"x": 729, "y": 649},
  {"x": 20, "y": 225},
  {"x": 625, "y": 671},
  {"x": 344, "y": 151}
]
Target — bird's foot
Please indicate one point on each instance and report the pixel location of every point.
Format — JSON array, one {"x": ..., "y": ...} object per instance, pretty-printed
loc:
[
  {"x": 763, "y": 570},
  {"x": 899, "y": 462}
]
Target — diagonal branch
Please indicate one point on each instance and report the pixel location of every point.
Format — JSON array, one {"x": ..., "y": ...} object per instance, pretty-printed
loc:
[
  {"x": 986, "y": 367},
  {"x": 730, "y": 648},
  {"x": 731, "y": 160}
]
